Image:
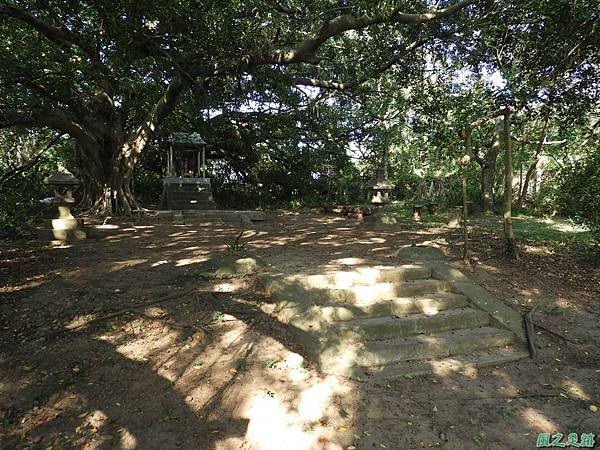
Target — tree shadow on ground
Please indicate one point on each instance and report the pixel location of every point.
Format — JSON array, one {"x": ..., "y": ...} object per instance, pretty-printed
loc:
[{"x": 174, "y": 375}]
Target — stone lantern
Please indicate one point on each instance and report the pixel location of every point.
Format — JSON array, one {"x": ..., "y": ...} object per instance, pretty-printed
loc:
[
  {"x": 380, "y": 188},
  {"x": 65, "y": 227}
]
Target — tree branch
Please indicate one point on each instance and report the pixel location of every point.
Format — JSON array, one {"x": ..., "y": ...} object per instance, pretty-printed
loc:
[
  {"x": 11, "y": 173},
  {"x": 539, "y": 143},
  {"x": 54, "y": 119},
  {"x": 139, "y": 138},
  {"x": 306, "y": 50},
  {"x": 341, "y": 86},
  {"x": 59, "y": 35}
]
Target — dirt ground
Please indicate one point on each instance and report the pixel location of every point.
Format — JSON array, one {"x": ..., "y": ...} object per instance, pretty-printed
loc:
[{"x": 212, "y": 371}]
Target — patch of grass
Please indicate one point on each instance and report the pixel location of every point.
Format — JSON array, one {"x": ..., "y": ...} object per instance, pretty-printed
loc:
[
  {"x": 550, "y": 230},
  {"x": 242, "y": 366},
  {"x": 217, "y": 317},
  {"x": 199, "y": 362},
  {"x": 236, "y": 245},
  {"x": 403, "y": 210},
  {"x": 269, "y": 364},
  {"x": 538, "y": 230}
]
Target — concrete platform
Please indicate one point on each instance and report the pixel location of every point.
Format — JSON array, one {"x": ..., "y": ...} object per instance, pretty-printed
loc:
[{"x": 243, "y": 218}]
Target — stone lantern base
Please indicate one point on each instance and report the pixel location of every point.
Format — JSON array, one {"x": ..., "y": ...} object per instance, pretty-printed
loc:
[
  {"x": 65, "y": 227},
  {"x": 60, "y": 231}
]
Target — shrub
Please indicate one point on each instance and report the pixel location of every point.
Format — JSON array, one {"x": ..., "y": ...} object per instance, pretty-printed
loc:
[{"x": 580, "y": 194}]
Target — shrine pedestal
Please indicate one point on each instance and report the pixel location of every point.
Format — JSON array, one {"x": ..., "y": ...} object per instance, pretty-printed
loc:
[{"x": 186, "y": 193}]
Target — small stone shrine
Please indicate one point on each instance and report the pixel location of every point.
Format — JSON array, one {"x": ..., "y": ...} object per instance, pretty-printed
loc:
[{"x": 186, "y": 186}]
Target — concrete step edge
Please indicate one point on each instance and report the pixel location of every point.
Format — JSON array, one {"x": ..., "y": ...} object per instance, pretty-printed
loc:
[
  {"x": 455, "y": 342},
  {"x": 452, "y": 364},
  {"x": 427, "y": 304}
]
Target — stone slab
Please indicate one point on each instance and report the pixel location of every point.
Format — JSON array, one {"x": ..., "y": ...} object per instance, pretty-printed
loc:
[
  {"x": 501, "y": 314},
  {"x": 420, "y": 253}
]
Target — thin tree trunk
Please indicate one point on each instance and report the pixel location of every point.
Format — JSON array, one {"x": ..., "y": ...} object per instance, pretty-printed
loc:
[
  {"x": 488, "y": 171},
  {"x": 532, "y": 168},
  {"x": 509, "y": 235},
  {"x": 525, "y": 188}
]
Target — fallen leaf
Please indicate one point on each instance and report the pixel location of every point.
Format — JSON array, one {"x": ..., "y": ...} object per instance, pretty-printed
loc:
[
  {"x": 434, "y": 408},
  {"x": 342, "y": 429},
  {"x": 593, "y": 408}
]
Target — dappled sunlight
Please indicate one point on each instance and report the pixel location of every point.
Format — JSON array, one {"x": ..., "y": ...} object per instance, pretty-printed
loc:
[
  {"x": 226, "y": 287},
  {"x": 575, "y": 390},
  {"x": 119, "y": 265},
  {"x": 380, "y": 249},
  {"x": 127, "y": 440},
  {"x": 538, "y": 421},
  {"x": 212, "y": 370},
  {"x": 536, "y": 249},
  {"x": 350, "y": 261},
  {"x": 192, "y": 260},
  {"x": 271, "y": 428},
  {"x": 160, "y": 263},
  {"x": 80, "y": 321},
  {"x": 447, "y": 367},
  {"x": 314, "y": 401}
]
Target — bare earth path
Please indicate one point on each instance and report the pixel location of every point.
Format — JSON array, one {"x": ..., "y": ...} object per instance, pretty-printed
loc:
[{"x": 201, "y": 371}]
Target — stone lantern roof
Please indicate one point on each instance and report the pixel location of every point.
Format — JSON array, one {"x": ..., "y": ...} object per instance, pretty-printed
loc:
[
  {"x": 380, "y": 182},
  {"x": 61, "y": 177}
]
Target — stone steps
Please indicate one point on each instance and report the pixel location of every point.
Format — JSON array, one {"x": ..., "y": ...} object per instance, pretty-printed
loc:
[
  {"x": 388, "y": 327},
  {"x": 356, "y": 295},
  {"x": 436, "y": 345},
  {"x": 444, "y": 366},
  {"x": 387, "y": 321},
  {"x": 366, "y": 276},
  {"x": 401, "y": 306}
]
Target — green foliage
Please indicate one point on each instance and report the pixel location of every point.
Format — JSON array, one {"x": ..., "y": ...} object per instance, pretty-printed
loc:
[
  {"x": 580, "y": 194},
  {"x": 20, "y": 209},
  {"x": 269, "y": 364},
  {"x": 236, "y": 246}
]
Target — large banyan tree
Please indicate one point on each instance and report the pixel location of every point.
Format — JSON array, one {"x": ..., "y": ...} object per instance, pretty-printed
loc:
[{"x": 109, "y": 72}]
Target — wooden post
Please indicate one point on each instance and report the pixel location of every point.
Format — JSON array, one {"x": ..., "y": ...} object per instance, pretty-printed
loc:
[
  {"x": 465, "y": 133},
  {"x": 203, "y": 162},
  {"x": 198, "y": 161},
  {"x": 465, "y": 162},
  {"x": 509, "y": 235},
  {"x": 170, "y": 164}
]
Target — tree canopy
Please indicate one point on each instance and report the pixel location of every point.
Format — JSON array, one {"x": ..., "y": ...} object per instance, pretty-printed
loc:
[{"x": 316, "y": 89}]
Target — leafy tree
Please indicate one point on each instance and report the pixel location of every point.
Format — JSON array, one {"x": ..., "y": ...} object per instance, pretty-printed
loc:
[{"x": 110, "y": 73}]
